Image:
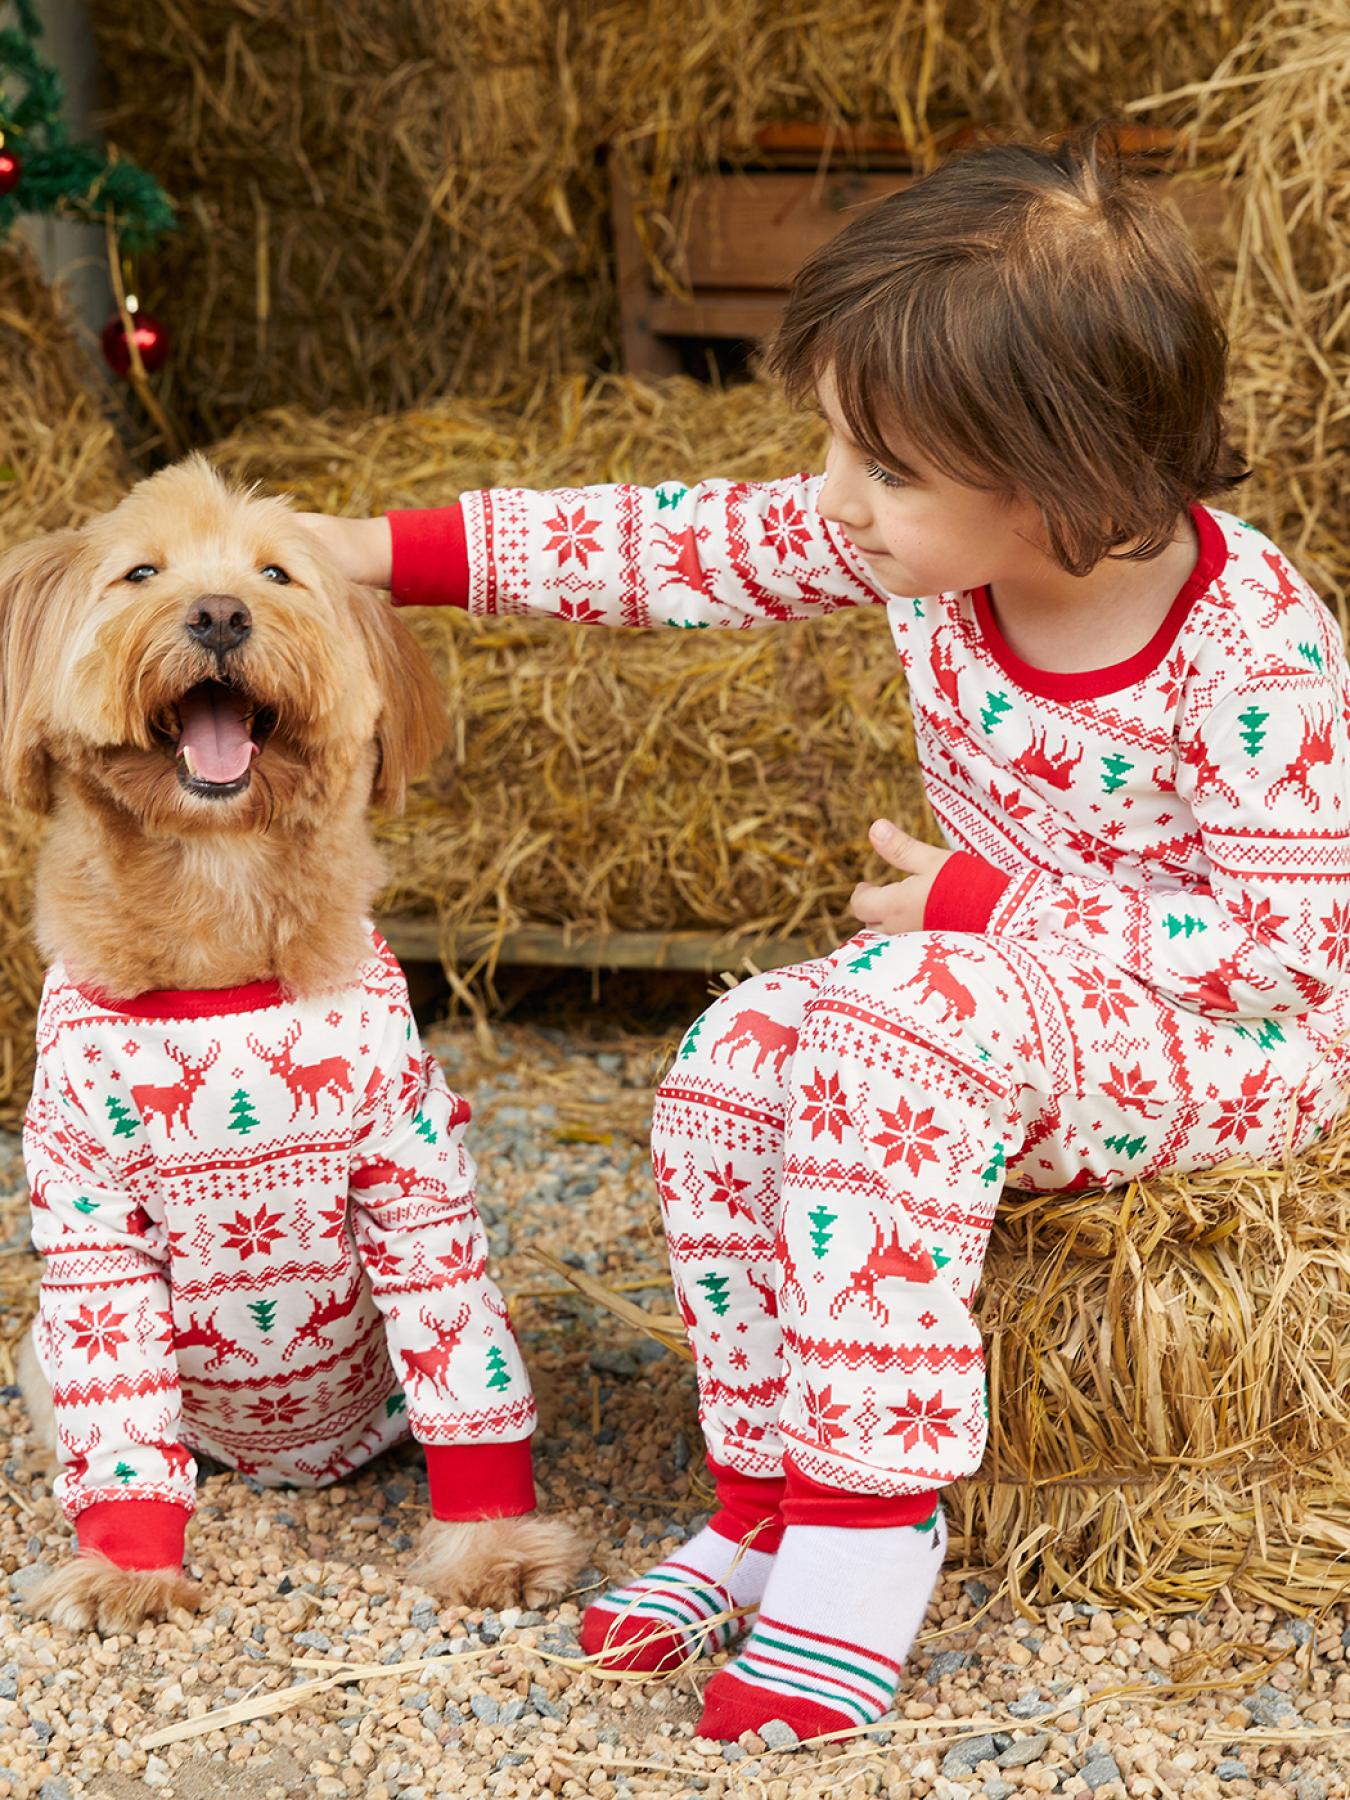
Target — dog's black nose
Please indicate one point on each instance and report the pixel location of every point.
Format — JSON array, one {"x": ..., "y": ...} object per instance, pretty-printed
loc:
[{"x": 219, "y": 622}]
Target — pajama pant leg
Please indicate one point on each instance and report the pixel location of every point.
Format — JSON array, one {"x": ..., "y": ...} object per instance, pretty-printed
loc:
[{"x": 827, "y": 1277}]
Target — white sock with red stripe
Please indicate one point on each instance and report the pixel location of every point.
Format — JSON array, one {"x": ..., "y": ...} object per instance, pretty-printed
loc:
[
  {"x": 836, "y": 1622},
  {"x": 659, "y": 1621}
]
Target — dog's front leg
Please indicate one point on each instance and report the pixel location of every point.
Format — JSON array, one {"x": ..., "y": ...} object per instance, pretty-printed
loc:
[{"x": 528, "y": 1560}]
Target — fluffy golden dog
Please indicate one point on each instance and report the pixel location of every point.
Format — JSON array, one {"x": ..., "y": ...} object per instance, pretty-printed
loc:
[{"x": 205, "y": 709}]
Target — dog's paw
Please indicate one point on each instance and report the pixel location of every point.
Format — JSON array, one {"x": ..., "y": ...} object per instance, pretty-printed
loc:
[
  {"x": 89, "y": 1593},
  {"x": 524, "y": 1561}
]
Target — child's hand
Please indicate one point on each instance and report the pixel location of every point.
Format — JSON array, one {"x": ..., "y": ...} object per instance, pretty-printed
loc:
[
  {"x": 362, "y": 548},
  {"x": 898, "y": 905}
]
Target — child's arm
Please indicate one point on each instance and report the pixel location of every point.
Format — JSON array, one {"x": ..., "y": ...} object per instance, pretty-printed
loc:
[
  {"x": 1266, "y": 771},
  {"x": 721, "y": 553},
  {"x": 105, "y": 1325}
]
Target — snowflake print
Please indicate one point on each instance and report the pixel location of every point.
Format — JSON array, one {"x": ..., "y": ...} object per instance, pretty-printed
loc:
[
  {"x": 382, "y": 1261},
  {"x": 573, "y": 535},
  {"x": 726, "y": 1190},
  {"x": 823, "y": 1414},
  {"x": 93, "y": 1054},
  {"x": 1174, "y": 679},
  {"x": 278, "y": 1409},
  {"x": 1261, "y": 919},
  {"x": 826, "y": 1108},
  {"x": 580, "y": 612},
  {"x": 1108, "y": 999},
  {"x": 333, "y": 1018},
  {"x": 1083, "y": 912},
  {"x": 910, "y": 1136},
  {"x": 94, "y": 1330},
  {"x": 1238, "y": 1117},
  {"x": 336, "y": 1217},
  {"x": 922, "y": 1422},
  {"x": 1335, "y": 946},
  {"x": 247, "y": 1237},
  {"x": 786, "y": 530}
]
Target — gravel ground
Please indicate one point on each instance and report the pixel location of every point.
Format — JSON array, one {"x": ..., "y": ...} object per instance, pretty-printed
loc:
[{"x": 1074, "y": 1701}]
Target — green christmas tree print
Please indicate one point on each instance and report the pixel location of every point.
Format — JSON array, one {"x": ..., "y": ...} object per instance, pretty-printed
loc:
[
  {"x": 821, "y": 1221},
  {"x": 498, "y": 1374},
  {"x": 1312, "y": 654},
  {"x": 263, "y": 1313},
  {"x": 124, "y": 1473},
  {"x": 691, "y": 1037},
  {"x": 994, "y": 708},
  {"x": 124, "y": 1122},
  {"x": 85, "y": 1205},
  {"x": 715, "y": 1287},
  {"x": 1124, "y": 1145},
  {"x": 918, "y": 609},
  {"x": 688, "y": 624},
  {"x": 1114, "y": 770},
  {"x": 1253, "y": 723},
  {"x": 395, "y": 1404},
  {"x": 241, "y": 1113},
  {"x": 1267, "y": 1034},
  {"x": 669, "y": 496},
  {"x": 864, "y": 961},
  {"x": 995, "y": 1170},
  {"x": 939, "y": 1256},
  {"x": 424, "y": 1128},
  {"x": 1183, "y": 924}
]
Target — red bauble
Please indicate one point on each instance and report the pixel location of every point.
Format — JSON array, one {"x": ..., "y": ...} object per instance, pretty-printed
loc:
[
  {"x": 11, "y": 171},
  {"x": 152, "y": 340}
]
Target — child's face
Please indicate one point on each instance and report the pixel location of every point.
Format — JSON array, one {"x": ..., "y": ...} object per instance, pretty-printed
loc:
[{"x": 920, "y": 531}]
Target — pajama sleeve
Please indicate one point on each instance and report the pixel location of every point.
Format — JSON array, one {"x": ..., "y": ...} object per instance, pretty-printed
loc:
[
  {"x": 421, "y": 1242},
  {"x": 722, "y": 553},
  {"x": 105, "y": 1338},
  {"x": 1266, "y": 774}
]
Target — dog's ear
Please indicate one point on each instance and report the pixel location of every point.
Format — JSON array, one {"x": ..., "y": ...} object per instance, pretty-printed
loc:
[
  {"x": 412, "y": 724},
  {"x": 31, "y": 576}
]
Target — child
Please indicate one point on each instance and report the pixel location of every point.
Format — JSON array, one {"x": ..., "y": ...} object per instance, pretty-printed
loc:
[{"x": 1132, "y": 718}]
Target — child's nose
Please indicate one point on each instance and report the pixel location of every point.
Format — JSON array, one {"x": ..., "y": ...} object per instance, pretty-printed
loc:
[{"x": 841, "y": 503}]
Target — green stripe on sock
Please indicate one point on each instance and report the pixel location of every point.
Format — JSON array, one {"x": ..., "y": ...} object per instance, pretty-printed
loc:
[
  {"x": 835, "y": 1662},
  {"x": 824, "y": 1695}
]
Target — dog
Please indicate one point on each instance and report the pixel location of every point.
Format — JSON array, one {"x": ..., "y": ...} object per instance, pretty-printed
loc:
[{"x": 204, "y": 709}]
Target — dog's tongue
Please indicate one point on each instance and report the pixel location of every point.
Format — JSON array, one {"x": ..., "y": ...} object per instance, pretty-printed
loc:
[{"x": 214, "y": 738}]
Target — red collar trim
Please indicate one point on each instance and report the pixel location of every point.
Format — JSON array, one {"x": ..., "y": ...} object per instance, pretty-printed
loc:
[
  {"x": 190, "y": 1003},
  {"x": 1088, "y": 684}
]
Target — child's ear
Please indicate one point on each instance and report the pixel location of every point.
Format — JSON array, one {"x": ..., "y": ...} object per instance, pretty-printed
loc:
[
  {"x": 31, "y": 579},
  {"x": 412, "y": 723}
]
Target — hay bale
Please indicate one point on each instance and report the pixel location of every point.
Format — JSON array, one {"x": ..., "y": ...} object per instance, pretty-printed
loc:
[
  {"x": 385, "y": 204},
  {"x": 62, "y": 463}
]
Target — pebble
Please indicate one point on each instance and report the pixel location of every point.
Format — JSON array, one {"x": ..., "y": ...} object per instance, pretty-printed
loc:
[
  {"x": 947, "y": 1662},
  {"x": 1024, "y": 1750},
  {"x": 996, "y": 1788},
  {"x": 965, "y": 1756},
  {"x": 1230, "y": 1769},
  {"x": 1026, "y": 1706},
  {"x": 1270, "y": 1708},
  {"x": 779, "y": 1735},
  {"x": 1099, "y": 1770},
  {"x": 484, "y": 1707}
]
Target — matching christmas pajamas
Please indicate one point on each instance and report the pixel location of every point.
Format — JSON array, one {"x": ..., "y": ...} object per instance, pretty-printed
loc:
[
  {"x": 261, "y": 1242},
  {"x": 1135, "y": 962}
]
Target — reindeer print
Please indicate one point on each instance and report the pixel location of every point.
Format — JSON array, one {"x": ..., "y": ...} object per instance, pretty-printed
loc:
[
  {"x": 171, "y": 1102},
  {"x": 305, "y": 1081},
  {"x": 768, "y": 1037}
]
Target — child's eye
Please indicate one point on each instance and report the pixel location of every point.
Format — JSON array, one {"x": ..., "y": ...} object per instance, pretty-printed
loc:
[{"x": 884, "y": 476}]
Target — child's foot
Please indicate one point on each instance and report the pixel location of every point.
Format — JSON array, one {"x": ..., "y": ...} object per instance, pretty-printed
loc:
[
  {"x": 656, "y": 1622},
  {"x": 835, "y": 1625}
]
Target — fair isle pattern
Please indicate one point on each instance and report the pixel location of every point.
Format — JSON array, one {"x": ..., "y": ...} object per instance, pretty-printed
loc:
[{"x": 260, "y": 1241}]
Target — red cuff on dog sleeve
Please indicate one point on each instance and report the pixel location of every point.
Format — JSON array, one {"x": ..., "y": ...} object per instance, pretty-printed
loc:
[
  {"x": 744, "y": 1502},
  {"x": 480, "y": 1481},
  {"x": 135, "y": 1534},
  {"x": 964, "y": 894},
  {"x": 430, "y": 557},
  {"x": 806, "y": 1502}
]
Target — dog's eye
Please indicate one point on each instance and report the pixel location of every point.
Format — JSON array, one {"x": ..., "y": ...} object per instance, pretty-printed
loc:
[
  {"x": 275, "y": 572},
  {"x": 142, "y": 572}
]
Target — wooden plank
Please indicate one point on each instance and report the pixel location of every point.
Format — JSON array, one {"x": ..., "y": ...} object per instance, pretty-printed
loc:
[
  {"x": 645, "y": 351},
  {"x": 726, "y": 315},
  {"x": 811, "y": 140},
  {"x": 414, "y": 939}
]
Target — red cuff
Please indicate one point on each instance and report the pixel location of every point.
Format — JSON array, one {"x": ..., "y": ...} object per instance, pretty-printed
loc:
[
  {"x": 430, "y": 557},
  {"x": 135, "y": 1534},
  {"x": 806, "y": 1502},
  {"x": 480, "y": 1481},
  {"x": 744, "y": 1503},
  {"x": 964, "y": 894}
]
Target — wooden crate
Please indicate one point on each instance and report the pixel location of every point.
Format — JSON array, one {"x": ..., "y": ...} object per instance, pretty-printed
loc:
[{"x": 747, "y": 231}]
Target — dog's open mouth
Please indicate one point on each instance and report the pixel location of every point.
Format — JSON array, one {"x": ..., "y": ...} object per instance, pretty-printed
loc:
[{"x": 214, "y": 731}]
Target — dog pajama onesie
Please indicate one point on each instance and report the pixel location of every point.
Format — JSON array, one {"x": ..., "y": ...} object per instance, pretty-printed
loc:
[
  {"x": 258, "y": 1220},
  {"x": 1135, "y": 961}
]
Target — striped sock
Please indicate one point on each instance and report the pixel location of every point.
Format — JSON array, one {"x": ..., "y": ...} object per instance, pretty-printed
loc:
[
  {"x": 654, "y": 1622},
  {"x": 841, "y": 1610}
]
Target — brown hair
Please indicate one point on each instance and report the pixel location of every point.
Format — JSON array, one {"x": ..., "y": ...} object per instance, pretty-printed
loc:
[{"x": 1036, "y": 324}]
